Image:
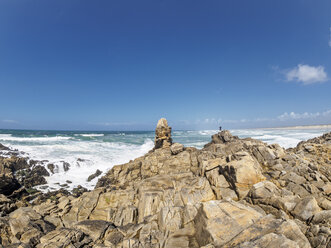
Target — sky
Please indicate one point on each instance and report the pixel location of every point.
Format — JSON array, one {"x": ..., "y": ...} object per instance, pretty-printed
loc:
[{"x": 122, "y": 65}]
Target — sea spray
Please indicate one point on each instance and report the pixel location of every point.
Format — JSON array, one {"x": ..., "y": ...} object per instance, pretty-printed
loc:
[{"x": 88, "y": 151}]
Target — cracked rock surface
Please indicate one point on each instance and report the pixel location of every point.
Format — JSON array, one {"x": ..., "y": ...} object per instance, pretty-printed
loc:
[{"x": 232, "y": 193}]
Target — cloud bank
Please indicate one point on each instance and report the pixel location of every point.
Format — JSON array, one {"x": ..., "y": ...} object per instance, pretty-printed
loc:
[
  {"x": 285, "y": 119},
  {"x": 307, "y": 74},
  {"x": 306, "y": 115}
]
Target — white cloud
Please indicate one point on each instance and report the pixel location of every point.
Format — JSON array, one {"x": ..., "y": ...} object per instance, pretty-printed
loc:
[
  {"x": 330, "y": 38},
  {"x": 291, "y": 118},
  {"x": 307, "y": 74},
  {"x": 10, "y": 121},
  {"x": 295, "y": 116}
]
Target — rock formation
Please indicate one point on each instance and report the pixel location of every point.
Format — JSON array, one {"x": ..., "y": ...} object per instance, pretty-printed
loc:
[
  {"x": 162, "y": 134},
  {"x": 232, "y": 193}
]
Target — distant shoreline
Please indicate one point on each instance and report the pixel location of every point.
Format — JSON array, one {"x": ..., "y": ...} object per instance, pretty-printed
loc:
[{"x": 300, "y": 127}]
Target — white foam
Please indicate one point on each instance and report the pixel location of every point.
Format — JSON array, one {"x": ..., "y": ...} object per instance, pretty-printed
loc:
[
  {"x": 32, "y": 139},
  {"x": 84, "y": 157},
  {"x": 284, "y": 137},
  {"x": 208, "y": 132},
  {"x": 5, "y": 135},
  {"x": 90, "y": 134}
]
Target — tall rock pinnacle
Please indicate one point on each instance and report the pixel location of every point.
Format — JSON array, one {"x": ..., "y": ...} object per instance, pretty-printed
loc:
[{"x": 162, "y": 134}]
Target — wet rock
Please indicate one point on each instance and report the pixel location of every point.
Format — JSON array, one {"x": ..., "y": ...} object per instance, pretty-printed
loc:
[
  {"x": 94, "y": 175},
  {"x": 36, "y": 176},
  {"x": 51, "y": 167},
  {"x": 8, "y": 182},
  {"x": 19, "y": 163},
  {"x": 2, "y": 147},
  {"x": 66, "y": 166},
  {"x": 78, "y": 191}
]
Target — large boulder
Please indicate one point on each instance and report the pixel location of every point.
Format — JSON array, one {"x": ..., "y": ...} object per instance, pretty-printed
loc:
[
  {"x": 222, "y": 137},
  {"x": 27, "y": 226},
  {"x": 218, "y": 222},
  {"x": 239, "y": 174},
  {"x": 306, "y": 208}
]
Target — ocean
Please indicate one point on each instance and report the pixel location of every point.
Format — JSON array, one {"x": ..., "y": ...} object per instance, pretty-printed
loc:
[{"x": 88, "y": 151}]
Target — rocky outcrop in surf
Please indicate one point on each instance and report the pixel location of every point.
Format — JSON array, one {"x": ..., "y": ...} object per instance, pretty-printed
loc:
[
  {"x": 17, "y": 172},
  {"x": 232, "y": 193}
]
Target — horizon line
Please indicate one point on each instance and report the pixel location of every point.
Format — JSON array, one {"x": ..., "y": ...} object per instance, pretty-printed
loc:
[{"x": 317, "y": 126}]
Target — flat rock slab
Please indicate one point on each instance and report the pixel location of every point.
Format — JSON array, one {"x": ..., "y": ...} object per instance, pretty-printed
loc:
[
  {"x": 269, "y": 229},
  {"x": 218, "y": 222}
]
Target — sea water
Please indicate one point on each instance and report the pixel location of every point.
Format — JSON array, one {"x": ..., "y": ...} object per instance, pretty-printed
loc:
[{"x": 88, "y": 151}]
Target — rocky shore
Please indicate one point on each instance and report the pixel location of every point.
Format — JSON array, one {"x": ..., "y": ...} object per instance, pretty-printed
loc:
[{"x": 232, "y": 193}]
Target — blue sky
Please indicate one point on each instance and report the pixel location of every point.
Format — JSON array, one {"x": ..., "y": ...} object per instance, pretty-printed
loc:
[{"x": 121, "y": 65}]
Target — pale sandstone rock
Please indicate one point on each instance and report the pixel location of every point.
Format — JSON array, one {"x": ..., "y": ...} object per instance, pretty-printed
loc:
[
  {"x": 239, "y": 175},
  {"x": 267, "y": 193},
  {"x": 94, "y": 228},
  {"x": 271, "y": 240},
  {"x": 243, "y": 173},
  {"x": 306, "y": 208},
  {"x": 323, "y": 216},
  {"x": 27, "y": 226},
  {"x": 175, "y": 190},
  {"x": 63, "y": 237},
  {"x": 218, "y": 222},
  {"x": 176, "y": 148},
  {"x": 162, "y": 134},
  {"x": 82, "y": 207},
  {"x": 20, "y": 220},
  {"x": 167, "y": 199},
  {"x": 269, "y": 225},
  {"x": 115, "y": 206}
]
